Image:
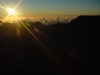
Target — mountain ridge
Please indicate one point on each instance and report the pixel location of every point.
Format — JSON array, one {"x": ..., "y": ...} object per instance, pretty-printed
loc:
[{"x": 72, "y": 44}]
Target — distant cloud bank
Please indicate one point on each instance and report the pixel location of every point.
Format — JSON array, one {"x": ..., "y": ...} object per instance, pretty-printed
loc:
[{"x": 47, "y": 20}]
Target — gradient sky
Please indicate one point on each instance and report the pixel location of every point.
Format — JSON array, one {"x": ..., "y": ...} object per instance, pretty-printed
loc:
[{"x": 55, "y": 7}]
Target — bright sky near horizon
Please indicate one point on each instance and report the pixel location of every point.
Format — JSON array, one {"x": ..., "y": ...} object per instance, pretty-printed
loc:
[{"x": 54, "y": 7}]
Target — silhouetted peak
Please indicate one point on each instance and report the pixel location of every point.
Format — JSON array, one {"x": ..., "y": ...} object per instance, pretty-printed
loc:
[
  {"x": 86, "y": 24},
  {"x": 86, "y": 19}
]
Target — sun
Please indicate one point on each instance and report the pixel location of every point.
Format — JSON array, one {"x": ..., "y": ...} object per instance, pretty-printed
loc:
[{"x": 11, "y": 11}]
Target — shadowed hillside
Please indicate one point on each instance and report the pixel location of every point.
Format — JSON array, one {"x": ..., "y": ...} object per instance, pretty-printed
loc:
[{"x": 72, "y": 49}]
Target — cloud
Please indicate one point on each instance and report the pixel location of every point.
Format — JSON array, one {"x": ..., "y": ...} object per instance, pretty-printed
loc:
[{"x": 46, "y": 20}]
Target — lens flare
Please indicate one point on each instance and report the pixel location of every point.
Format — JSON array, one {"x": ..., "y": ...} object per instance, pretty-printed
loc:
[{"x": 12, "y": 12}]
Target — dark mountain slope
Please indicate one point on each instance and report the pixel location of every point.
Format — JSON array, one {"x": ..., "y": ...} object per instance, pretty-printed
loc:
[
  {"x": 76, "y": 45},
  {"x": 86, "y": 24},
  {"x": 21, "y": 54}
]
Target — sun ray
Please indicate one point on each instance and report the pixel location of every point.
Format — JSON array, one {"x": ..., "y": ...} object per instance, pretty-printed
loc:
[
  {"x": 3, "y": 7},
  {"x": 31, "y": 33},
  {"x": 17, "y": 13},
  {"x": 24, "y": 26},
  {"x": 52, "y": 56},
  {"x": 17, "y": 4},
  {"x": 42, "y": 45},
  {"x": 4, "y": 4},
  {"x": 29, "y": 30},
  {"x": 4, "y": 19}
]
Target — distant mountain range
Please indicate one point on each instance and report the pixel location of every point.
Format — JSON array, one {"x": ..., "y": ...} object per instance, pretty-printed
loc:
[
  {"x": 62, "y": 49},
  {"x": 84, "y": 25}
]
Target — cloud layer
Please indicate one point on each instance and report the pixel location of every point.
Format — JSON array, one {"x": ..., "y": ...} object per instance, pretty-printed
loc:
[{"x": 47, "y": 20}]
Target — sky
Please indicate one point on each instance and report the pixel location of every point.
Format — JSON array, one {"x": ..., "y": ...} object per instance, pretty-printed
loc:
[{"x": 54, "y": 7}]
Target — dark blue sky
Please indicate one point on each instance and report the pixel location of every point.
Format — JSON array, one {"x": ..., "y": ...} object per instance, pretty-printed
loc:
[{"x": 56, "y": 7}]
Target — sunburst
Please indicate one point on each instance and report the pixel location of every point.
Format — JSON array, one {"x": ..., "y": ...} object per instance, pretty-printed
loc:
[
  {"x": 12, "y": 12},
  {"x": 9, "y": 10}
]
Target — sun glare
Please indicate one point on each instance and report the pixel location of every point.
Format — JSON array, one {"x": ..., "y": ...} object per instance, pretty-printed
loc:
[{"x": 11, "y": 11}]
